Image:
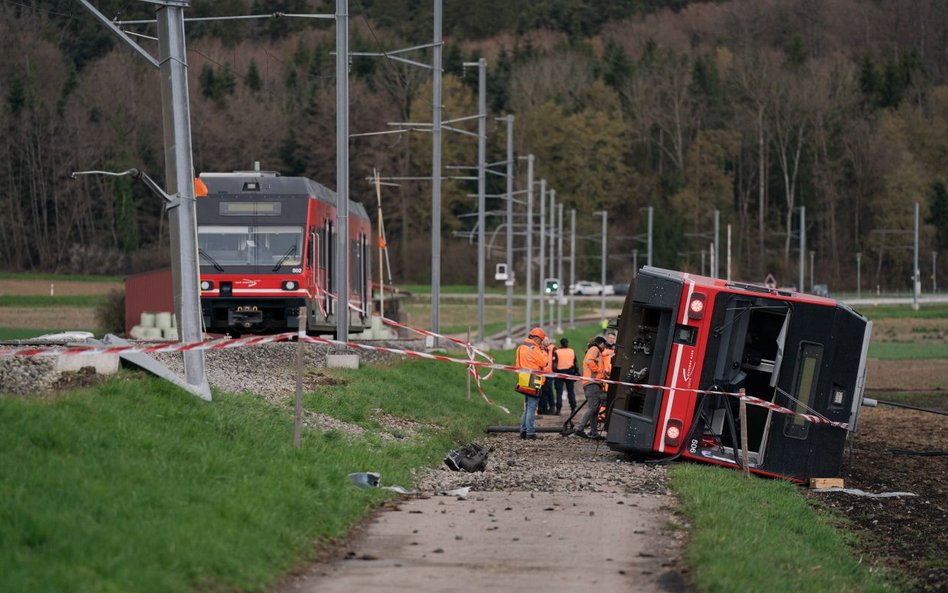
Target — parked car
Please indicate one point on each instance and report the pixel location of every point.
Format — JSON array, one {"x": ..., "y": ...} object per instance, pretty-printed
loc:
[
  {"x": 621, "y": 289},
  {"x": 589, "y": 288},
  {"x": 821, "y": 290},
  {"x": 585, "y": 288}
]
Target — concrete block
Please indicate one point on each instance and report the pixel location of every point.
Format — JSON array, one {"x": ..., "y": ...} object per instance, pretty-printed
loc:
[
  {"x": 342, "y": 361},
  {"x": 105, "y": 364}
]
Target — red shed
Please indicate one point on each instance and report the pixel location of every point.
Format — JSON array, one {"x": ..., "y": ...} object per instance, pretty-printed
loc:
[{"x": 148, "y": 291}]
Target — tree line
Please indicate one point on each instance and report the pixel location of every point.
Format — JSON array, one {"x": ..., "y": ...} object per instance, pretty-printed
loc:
[{"x": 753, "y": 108}]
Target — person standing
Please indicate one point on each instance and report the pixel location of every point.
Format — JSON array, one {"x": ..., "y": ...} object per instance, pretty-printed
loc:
[
  {"x": 593, "y": 368},
  {"x": 546, "y": 406},
  {"x": 531, "y": 356},
  {"x": 564, "y": 362}
]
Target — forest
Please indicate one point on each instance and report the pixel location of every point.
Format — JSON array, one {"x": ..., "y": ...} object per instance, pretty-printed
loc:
[{"x": 754, "y": 108}]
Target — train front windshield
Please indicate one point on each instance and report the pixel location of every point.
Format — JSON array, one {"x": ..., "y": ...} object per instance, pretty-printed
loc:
[{"x": 233, "y": 247}]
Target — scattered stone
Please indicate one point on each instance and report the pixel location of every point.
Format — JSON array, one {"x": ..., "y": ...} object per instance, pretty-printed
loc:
[{"x": 438, "y": 551}]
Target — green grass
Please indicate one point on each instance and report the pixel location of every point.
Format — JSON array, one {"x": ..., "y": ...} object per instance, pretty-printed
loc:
[
  {"x": 20, "y": 333},
  {"x": 452, "y": 289},
  {"x": 761, "y": 535},
  {"x": 907, "y": 350},
  {"x": 137, "y": 486},
  {"x": 85, "y": 301},
  {"x": 59, "y": 277},
  {"x": 903, "y": 312}
]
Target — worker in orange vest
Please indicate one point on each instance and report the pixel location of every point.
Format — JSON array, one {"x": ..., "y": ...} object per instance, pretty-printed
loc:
[
  {"x": 547, "y": 400},
  {"x": 608, "y": 354},
  {"x": 564, "y": 362},
  {"x": 531, "y": 356},
  {"x": 593, "y": 369}
]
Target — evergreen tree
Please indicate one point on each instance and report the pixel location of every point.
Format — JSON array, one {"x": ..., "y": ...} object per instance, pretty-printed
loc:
[
  {"x": 252, "y": 79},
  {"x": 939, "y": 214},
  {"x": 207, "y": 80},
  {"x": 616, "y": 65}
]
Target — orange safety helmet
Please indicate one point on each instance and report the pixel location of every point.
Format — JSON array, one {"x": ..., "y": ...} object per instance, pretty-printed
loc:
[{"x": 537, "y": 333}]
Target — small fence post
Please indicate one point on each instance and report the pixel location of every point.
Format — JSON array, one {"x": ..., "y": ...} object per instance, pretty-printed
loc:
[
  {"x": 298, "y": 407},
  {"x": 745, "y": 454},
  {"x": 470, "y": 369}
]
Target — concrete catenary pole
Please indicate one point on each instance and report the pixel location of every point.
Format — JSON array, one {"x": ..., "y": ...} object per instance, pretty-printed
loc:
[
  {"x": 341, "y": 282},
  {"x": 802, "y": 244},
  {"x": 436, "y": 174},
  {"x": 552, "y": 253},
  {"x": 179, "y": 179},
  {"x": 916, "y": 282},
  {"x": 651, "y": 211},
  {"x": 812, "y": 255},
  {"x": 559, "y": 269},
  {"x": 508, "y": 341},
  {"x": 542, "y": 289},
  {"x": 481, "y": 190},
  {"x": 529, "y": 262},
  {"x": 602, "y": 293},
  {"x": 572, "y": 266},
  {"x": 716, "y": 272}
]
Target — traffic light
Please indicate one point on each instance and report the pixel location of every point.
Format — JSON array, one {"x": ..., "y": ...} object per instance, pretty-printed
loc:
[{"x": 552, "y": 286}]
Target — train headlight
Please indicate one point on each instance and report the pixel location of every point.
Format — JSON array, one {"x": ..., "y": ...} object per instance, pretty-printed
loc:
[
  {"x": 673, "y": 433},
  {"x": 696, "y": 306},
  {"x": 207, "y": 285},
  {"x": 290, "y": 285}
]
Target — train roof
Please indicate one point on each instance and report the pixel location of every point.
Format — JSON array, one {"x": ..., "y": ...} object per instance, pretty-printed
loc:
[
  {"x": 272, "y": 182},
  {"x": 761, "y": 289}
]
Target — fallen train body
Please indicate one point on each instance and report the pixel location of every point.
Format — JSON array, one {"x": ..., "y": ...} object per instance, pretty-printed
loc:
[
  {"x": 679, "y": 333},
  {"x": 267, "y": 249}
]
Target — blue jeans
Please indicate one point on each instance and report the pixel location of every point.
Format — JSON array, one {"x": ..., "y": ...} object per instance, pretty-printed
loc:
[{"x": 529, "y": 413}]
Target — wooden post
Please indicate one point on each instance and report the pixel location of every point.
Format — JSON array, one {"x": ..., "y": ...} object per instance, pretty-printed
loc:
[
  {"x": 470, "y": 368},
  {"x": 745, "y": 454},
  {"x": 298, "y": 407}
]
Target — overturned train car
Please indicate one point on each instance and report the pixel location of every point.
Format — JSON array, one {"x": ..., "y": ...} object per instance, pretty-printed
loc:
[
  {"x": 267, "y": 249},
  {"x": 679, "y": 333}
]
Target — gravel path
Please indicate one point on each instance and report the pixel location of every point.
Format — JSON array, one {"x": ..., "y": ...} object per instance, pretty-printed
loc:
[{"x": 555, "y": 514}]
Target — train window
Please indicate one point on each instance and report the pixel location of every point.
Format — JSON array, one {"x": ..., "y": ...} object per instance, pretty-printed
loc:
[
  {"x": 243, "y": 245},
  {"x": 807, "y": 378}
]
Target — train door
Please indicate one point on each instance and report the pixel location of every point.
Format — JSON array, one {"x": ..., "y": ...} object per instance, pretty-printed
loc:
[
  {"x": 312, "y": 263},
  {"x": 750, "y": 359},
  {"x": 329, "y": 251},
  {"x": 357, "y": 273}
]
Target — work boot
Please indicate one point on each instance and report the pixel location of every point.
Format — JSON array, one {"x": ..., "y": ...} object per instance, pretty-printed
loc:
[
  {"x": 523, "y": 435},
  {"x": 532, "y": 437}
]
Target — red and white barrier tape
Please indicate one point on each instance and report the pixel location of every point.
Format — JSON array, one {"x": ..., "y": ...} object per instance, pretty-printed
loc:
[
  {"x": 224, "y": 343},
  {"x": 472, "y": 351}
]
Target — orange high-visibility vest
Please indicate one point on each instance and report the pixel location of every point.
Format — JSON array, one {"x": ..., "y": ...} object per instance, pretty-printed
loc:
[
  {"x": 593, "y": 365},
  {"x": 565, "y": 358},
  {"x": 531, "y": 357}
]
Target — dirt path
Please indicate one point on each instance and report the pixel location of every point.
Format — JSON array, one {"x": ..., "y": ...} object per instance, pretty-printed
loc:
[{"x": 555, "y": 514}]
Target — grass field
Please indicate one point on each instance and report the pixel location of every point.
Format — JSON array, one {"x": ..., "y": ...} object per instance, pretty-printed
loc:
[
  {"x": 761, "y": 535},
  {"x": 46, "y": 301},
  {"x": 59, "y": 277},
  {"x": 907, "y": 350},
  {"x": 19, "y": 333},
  {"x": 137, "y": 486},
  {"x": 904, "y": 312}
]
